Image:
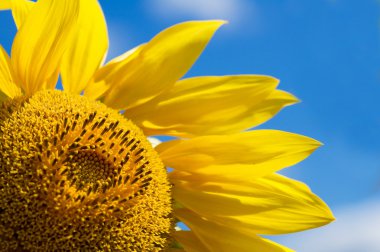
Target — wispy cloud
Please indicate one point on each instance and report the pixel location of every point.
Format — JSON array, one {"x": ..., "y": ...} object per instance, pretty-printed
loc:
[
  {"x": 231, "y": 10},
  {"x": 355, "y": 230}
]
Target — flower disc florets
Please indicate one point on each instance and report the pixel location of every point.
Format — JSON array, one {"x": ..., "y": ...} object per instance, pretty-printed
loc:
[{"x": 77, "y": 175}]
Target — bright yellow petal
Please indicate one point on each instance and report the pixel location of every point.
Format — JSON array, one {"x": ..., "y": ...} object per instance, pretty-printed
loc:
[
  {"x": 5, "y": 4},
  {"x": 272, "y": 104},
  {"x": 40, "y": 43},
  {"x": 270, "y": 205},
  {"x": 252, "y": 153},
  {"x": 87, "y": 50},
  {"x": 190, "y": 242},
  {"x": 158, "y": 65},
  {"x": 20, "y": 10},
  {"x": 208, "y": 105},
  {"x": 7, "y": 86},
  {"x": 220, "y": 238},
  {"x": 99, "y": 83}
]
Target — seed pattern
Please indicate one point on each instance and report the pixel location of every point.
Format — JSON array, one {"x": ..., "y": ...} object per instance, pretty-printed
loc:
[{"x": 75, "y": 174}]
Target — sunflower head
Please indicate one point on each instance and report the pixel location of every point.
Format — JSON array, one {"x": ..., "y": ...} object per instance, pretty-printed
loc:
[
  {"x": 77, "y": 171},
  {"x": 76, "y": 174}
]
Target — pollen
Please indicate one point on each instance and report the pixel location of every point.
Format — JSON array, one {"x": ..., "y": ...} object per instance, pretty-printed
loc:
[{"x": 78, "y": 175}]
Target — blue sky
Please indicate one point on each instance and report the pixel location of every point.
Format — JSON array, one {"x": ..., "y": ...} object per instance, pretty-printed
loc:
[{"x": 325, "y": 52}]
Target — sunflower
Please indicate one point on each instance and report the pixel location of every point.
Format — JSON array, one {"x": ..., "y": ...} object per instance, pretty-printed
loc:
[{"x": 77, "y": 169}]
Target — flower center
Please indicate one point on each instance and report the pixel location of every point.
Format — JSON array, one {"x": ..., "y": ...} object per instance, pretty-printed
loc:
[{"x": 76, "y": 174}]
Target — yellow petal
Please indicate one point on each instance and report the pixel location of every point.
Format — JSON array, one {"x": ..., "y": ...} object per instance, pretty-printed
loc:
[
  {"x": 20, "y": 10},
  {"x": 252, "y": 153},
  {"x": 87, "y": 49},
  {"x": 272, "y": 104},
  {"x": 220, "y": 238},
  {"x": 209, "y": 105},
  {"x": 190, "y": 242},
  {"x": 100, "y": 83},
  {"x": 5, "y": 4},
  {"x": 40, "y": 43},
  {"x": 7, "y": 86},
  {"x": 269, "y": 205},
  {"x": 159, "y": 64}
]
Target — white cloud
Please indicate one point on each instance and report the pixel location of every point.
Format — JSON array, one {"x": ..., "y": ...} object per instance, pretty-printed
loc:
[
  {"x": 357, "y": 229},
  {"x": 231, "y": 10}
]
